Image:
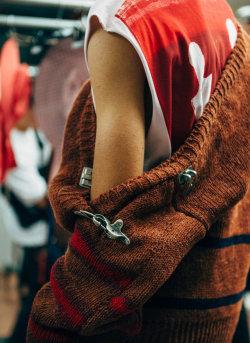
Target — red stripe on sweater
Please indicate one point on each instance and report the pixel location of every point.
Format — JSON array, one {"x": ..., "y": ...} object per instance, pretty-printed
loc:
[
  {"x": 73, "y": 317},
  {"x": 82, "y": 247},
  {"x": 47, "y": 335},
  {"x": 119, "y": 306}
]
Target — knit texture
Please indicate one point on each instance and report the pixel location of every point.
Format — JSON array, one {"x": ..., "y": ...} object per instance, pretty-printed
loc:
[{"x": 182, "y": 277}]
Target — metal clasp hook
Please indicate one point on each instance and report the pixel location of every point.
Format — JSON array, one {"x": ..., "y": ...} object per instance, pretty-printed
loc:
[
  {"x": 86, "y": 177},
  {"x": 113, "y": 231},
  {"x": 189, "y": 175}
]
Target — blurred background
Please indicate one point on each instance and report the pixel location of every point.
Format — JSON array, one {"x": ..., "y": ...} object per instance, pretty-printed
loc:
[{"x": 44, "y": 40}]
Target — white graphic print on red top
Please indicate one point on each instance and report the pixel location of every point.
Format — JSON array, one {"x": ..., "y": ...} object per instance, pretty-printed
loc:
[{"x": 197, "y": 60}]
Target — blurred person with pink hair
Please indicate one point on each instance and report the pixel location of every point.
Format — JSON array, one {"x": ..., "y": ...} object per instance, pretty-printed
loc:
[{"x": 25, "y": 156}]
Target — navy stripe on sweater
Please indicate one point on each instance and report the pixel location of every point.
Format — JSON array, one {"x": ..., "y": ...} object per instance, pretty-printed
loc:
[
  {"x": 220, "y": 243},
  {"x": 195, "y": 304}
]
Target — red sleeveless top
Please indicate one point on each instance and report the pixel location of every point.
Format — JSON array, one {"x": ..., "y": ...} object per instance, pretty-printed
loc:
[{"x": 183, "y": 46}]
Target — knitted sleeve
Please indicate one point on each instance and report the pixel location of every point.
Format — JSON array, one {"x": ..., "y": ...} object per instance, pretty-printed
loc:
[
  {"x": 97, "y": 289},
  {"x": 78, "y": 149}
]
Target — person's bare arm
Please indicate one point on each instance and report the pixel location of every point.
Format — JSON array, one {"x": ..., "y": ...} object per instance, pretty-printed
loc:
[{"x": 117, "y": 79}]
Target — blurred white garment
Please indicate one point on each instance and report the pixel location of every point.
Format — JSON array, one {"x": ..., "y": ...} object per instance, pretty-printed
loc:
[{"x": 28, "y": 185}]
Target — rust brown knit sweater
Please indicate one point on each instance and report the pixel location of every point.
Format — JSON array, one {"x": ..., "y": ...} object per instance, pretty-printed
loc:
[{"x": 182, "y": 277}]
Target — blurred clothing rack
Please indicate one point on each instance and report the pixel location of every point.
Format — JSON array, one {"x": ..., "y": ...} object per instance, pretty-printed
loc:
[
  {"x": 46, "y": 23},
  {"x": 83, "y": 5},
  {"x": 37, "y": 22}
]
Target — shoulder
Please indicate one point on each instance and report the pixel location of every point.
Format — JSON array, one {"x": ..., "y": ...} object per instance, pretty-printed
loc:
[{"x": 104, "y": 13}]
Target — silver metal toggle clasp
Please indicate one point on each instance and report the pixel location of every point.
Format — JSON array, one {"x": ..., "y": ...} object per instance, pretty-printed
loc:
[
  {"x": 113, "y": 231},
  {"x": 189, "y": 175},
  {"x": 86, "y": 178}
]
